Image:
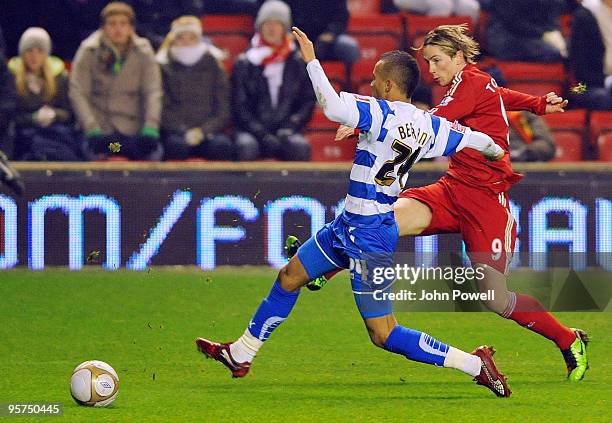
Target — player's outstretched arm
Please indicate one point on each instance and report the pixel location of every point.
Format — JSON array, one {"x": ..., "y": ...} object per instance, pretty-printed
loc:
[
  {"x": 516, "y": 100},
  {"x": 485, "y": 145},
  {"x": 330, "y": 102},
  {"x": 452, "y": 137}
]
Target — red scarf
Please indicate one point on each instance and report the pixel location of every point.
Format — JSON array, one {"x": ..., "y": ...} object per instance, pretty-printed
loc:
[{"x": 279, "y": 53}]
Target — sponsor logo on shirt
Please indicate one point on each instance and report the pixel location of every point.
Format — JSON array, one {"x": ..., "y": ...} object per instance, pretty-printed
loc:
[{"x": 456, "y": 126}]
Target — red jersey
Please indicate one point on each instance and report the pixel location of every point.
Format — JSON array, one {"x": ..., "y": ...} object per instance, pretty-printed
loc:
[{"x": 475, "y": 100}]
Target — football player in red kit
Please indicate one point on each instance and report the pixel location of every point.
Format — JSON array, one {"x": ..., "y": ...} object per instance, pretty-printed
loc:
[{"x": 472, "y": 198}]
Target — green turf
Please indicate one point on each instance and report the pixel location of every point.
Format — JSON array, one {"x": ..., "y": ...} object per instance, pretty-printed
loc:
[{"x": 318, "y": 366}]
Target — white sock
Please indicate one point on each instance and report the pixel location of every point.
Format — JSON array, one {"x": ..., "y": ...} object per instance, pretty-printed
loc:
[
  {"x": 245, "y": 348},
  {"x": 463, "y": 361}
]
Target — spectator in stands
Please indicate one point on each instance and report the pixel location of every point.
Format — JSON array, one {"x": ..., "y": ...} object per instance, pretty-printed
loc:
[
  {"x": 43, "y": 120},
  {"x": 196, "y": 95},
  {"x": 530, "y": 138},
  {"x": 527, "y": 30},
  {"x": 325, "y": 22},
  {"x": 7, "y": 99},
  {"x": 591, "y": 53},
  {"x": 115, "y": 88},
  {"x": 272, "y": 96},
  {"x": 469, "y": 8}
]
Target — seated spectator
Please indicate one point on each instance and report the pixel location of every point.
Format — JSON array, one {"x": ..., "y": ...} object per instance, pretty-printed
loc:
[
  {"x": 527, "y": 30},
  {"x": 272, "y": 96},
  {"x": 43, "y": 120},
  {"x": 115, "y": 88},
  {"x": 530, "y": 139},
  {"x": 591, "y": 54},
  {"x": 7, "y": 99},
  {"x": 325, "y": 22},
  {"x": 196, "y": 95},
  {"x": 469, "y": 8}
]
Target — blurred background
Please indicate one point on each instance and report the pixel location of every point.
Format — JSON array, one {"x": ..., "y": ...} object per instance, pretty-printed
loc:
[{"x": 208, "y": 100}]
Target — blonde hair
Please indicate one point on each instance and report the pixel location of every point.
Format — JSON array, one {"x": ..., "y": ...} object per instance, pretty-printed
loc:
[
  {"x": 451, "y": 39},
  {"x": 50, "y": 87},
  {"x": 187, "y": 20}
]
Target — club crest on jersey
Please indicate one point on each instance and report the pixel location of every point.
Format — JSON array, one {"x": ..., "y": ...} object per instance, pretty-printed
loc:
[
  {"x": 446, "y": 100},
  {"x": 456, "y": 126}
]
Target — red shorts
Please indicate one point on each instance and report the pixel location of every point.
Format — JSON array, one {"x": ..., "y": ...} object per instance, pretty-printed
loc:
[{"x": 482, "y": 217}]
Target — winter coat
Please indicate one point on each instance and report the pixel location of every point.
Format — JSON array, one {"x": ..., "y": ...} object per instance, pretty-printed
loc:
[
  {"x": 195, "y": 96},
  {"x": 587, "y": 50},
  {"x": 123, "y": 102},
  {"x": 31, "y": 102},
  {"x": 252, "y": 105}
]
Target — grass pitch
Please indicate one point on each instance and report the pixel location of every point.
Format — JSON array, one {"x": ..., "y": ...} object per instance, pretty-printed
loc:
[{"x": 318, "y": 366}]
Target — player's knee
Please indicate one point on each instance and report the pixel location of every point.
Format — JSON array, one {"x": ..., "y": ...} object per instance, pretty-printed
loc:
[
  {"x": 494, "y": 285},
  {"x": 293, "y": 275},
  {"x": 379, "y": 336},
  {"x": 495, "y": 306},
  {"x": 378, "y": 339},
  {"x": 286, "y": 280},
  {"x": 497, "y": 300}
]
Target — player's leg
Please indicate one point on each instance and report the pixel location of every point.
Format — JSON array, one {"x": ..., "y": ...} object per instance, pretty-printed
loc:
[
  {"x": 528, "y": 312},
  {"x": 314, "y": 258},
  {"x": 489, "y": 232},
  {"x": 386, "y": 333},
  {"x": 372, "y": 250}
]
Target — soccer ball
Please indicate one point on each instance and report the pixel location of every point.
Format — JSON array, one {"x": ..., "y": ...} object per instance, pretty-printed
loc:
[{"x": 94, "y": 383}]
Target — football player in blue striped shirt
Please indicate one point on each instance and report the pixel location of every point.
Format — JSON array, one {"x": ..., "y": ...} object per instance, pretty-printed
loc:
[{"x": 393, "y": 136}]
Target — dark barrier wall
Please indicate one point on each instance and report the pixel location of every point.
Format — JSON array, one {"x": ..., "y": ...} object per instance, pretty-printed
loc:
[{"x": 133, "y": 216}]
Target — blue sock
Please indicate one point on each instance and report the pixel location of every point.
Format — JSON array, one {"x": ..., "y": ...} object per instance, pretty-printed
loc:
[
  {"x": 416, "y": 346},
  {"x": 272, "y": 311}
]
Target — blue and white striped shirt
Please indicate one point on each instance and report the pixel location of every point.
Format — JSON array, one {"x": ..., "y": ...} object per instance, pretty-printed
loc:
[{"x": 394, "y": 136}]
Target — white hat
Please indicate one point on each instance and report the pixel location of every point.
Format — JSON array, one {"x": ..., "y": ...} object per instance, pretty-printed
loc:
[
  {"x": 273, "y": 10},
  {"x": 35, "y": 37},
  {"x": 194, "y": 27}
]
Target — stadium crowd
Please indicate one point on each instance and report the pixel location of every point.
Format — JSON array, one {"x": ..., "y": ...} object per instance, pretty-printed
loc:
[{"x": 223, "y": 80}]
